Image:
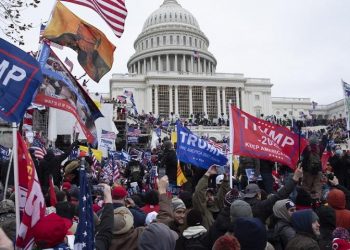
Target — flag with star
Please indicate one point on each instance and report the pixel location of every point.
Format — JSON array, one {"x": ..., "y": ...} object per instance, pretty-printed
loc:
[
  {"x": 84, "y": 236},
  {"x": 346, "y": 88}
]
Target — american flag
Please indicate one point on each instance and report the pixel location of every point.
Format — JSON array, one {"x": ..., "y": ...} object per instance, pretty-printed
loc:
[
  {"x": 95, "y": 166},
  {"x": 133, "y": 103},
  {"x": 224, "y": 149},
  {"x": 28, "y": 119},
  {"x": 69, "y": 63},
  {"x": 134, "y": 132},
  {"x": 108, "y": 135},
  {"x": 113, "y": 12},
  {"x": 84, "y": 236},
  {"x": 39, "y": 148},
  {"x": 116, "y": 173},
  {"x": 121, "y": 98}
]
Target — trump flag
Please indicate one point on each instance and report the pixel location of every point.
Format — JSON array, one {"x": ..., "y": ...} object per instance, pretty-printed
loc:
[
  {"x": 95, "y": 51},
  {"x": 20, "y": 76},
  {"x": 194, "y": 150},
  {"x": 260, "y": 139}
]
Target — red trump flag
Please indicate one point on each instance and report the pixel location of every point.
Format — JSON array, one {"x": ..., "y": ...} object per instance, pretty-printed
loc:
[{"x": 260, "y": 139}]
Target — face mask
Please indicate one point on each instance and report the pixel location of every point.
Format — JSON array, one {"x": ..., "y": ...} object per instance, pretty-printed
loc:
[{"x": 339, "y": 152}]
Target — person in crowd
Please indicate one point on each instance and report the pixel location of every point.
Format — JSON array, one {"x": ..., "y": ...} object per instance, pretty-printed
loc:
[
  {"x": 172, "y": 212},
  {"x": 336, "y": 199},
  {"x": 262, "y": 209},
  {"x": 312, "y": 167},
  {"x": 246, "y": 163},
  {"x": 135, "y": 172},
  {"x": 119, "y": 196},
  {"x": 303, "y": 199},
  {"x": 305, "y": 222},
  {"x": 169, "y": 162},
  {"x": 226, "y": 242},
  {"x": 125, "y": 236},
  {"x": 51, "y": 165},
  {"x": 222, "y": 222},
  {"x": 283, "y": 230},
  {"x": 251, "y": 234},
  {"x": 240, "y": 209},
  {"x": 192, "y": 236},
  {"x": 206, "y": 202},
  {"x": 151, "y": 202},
  {"x": 338, "y": 165},
  {"x": 264, "y": 169},
  {"x": 326, "y": 215},
  {"x": 8, "y": 218},
  {"x": 157, "y": 236}
]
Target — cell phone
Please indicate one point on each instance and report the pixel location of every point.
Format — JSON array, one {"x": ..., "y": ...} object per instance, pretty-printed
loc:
[
  {"x": 97, "y": 189},
  {"x": 220, "y": 169}
]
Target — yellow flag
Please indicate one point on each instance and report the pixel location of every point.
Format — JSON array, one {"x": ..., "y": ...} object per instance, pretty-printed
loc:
[
  {"x": 97, "y": 153},
  {"x": 180, "y": 179},
  {"x": 174, "y": 137},
  {"x": 235, "y": 164}
]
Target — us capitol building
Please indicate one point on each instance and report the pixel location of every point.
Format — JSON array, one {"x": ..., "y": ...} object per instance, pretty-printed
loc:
[{"x": 172, "y": 70}]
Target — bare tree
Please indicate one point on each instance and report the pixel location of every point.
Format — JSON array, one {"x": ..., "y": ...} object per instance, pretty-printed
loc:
[{"x": 10, "y": 16}]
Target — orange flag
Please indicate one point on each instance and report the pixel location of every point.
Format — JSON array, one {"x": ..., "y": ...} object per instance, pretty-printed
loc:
[{"x": 95, "y": 51}]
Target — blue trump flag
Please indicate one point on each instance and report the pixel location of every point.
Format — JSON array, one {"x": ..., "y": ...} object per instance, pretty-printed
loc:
[
  {"x": 194, "y": 150},
  {"x": 20, "y": 76}
]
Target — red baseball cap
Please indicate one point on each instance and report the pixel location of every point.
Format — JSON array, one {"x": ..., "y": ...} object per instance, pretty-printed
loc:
[{"x": 119, "y": 192}]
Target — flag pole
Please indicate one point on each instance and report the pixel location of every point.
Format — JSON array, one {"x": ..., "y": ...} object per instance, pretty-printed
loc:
[
  {"x": 8, "y": 175},
  {"x": 231, "y": 141},
  {"x": 15, "y": 172}
]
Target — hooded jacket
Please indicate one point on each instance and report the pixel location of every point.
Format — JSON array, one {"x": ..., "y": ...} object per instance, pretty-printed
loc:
[
  {"x": 336, "y": 199},
  {"x": 327, "y": 226},
  {"x": 305, "y": 238},
  {"x": 283, "y": 230}
]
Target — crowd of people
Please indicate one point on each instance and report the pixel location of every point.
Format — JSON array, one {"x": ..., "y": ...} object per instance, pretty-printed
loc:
[{"x": 275, "y": 208}]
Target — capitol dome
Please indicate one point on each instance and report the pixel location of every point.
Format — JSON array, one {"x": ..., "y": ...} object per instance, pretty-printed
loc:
[{"x": 171, "y": 41}]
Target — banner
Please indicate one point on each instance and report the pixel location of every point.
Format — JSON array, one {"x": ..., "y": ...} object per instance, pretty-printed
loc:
[
  {"x": 5, "y": 153},
  {"x": 60, "y": 90},
  {"x": 31, "y": 199},
  {"x": 95, "y": 51},
  {"x": 194, "y": 150},
  {"x": 107, "y": 142},
  {"x": 260, "y": 139},
  {"x": 97, "y": 153},
  {"x": 20, "y": 76}
]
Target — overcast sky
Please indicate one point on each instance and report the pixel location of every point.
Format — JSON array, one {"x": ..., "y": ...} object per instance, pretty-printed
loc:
[{"x": 303, "y": 46}]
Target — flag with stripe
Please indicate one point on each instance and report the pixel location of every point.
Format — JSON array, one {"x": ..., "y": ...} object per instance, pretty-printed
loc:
[
  {"x": 180, "y": 179},
  {"x": 39, "y": 148},
  {"x": 113, "y": 12}
]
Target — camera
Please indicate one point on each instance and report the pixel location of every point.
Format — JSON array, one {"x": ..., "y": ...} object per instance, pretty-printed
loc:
[{"x": 330, "y": 176}]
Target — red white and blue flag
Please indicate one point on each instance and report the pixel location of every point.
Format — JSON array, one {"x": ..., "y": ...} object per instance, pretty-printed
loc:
[
  {"x": 113, "y": 12},
  {"x": 39, "y": 148}
]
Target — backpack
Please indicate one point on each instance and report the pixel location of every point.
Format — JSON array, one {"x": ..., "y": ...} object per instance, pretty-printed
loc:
[
  {"x": 314, "y": 164},
  {"x": 194, "y": 244}
]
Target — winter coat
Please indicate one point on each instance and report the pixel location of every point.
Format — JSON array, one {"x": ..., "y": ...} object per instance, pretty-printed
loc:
[
  {"x": 336, "y": 199},
  {"x": 283, "y": 233},
  {"x": 103, "y": 233},
  {"x": 192, "y": 239},
  {"x": 262, "y": 209},
  {"x": 200, "y": 203},
  {"x": 219, "y": 227},
  {"x": 303, "y": 241},
  {"x": 327, "y": 219},
  {"x": 127, "y": 241},
  {"x": 169, "y": 161}
]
